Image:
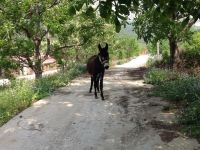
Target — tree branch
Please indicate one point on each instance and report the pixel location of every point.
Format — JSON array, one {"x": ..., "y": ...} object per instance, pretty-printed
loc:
[
  {"x": 1, "y": 9},
  {"x": 25, "y": 60},
  {"x": 21, "y": 61},
  {"x": 30, "y": 64},
  {"x": 192, "y": 21},
  {"x": 55, "y": 2},
  {"x": 28, "y": 34},
  {"x": 69, "y": 46},
  {"x": 45, "y": 33},
  {"x": 97, "y": 7},
  {"x": 48, "y": 47}
]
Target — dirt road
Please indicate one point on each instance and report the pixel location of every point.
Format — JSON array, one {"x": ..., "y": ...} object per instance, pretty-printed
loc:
[{"x": 72, "y": 119}]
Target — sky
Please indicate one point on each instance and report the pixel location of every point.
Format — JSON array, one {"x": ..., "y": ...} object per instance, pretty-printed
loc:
[{"x": 197, "y": 23}]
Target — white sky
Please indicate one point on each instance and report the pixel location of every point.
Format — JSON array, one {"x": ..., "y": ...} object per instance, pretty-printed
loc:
[{"x": 197, "y": 23}]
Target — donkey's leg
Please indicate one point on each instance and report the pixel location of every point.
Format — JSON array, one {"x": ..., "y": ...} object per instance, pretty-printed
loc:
[
  {"x": 101, "y": 86},
  {"x": 98, "y": 76},
  {"x": 91, "y": 85},
  {"x": 95, "y": 85}
]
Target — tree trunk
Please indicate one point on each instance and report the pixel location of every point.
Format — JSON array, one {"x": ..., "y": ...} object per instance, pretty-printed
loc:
[
  {"x": 77, "y": 54},
  {"x": 38, "y": 61},
  {"x": 1, "y": 73},
  {"x": 38, "y": 74},
  {"x": 173, "y": 48}
]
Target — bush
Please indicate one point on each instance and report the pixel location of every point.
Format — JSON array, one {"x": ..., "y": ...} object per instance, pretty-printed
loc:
[
  {"x": 14, "y": 99},
  {"x": 190, "y": 118},
  {"x": 22, "y": 94},
  {"x": 164, "y": 47},
  {"x": 187, "y": 89},
  {"x": 181, "y": 88},
  {"x": 190, "y": 58},
  {"x": 124, "y": 47},
  {"x": 159, "y": 76},
  {"x": 190, "y": 54},
  {"x": 174, "y": 86}
]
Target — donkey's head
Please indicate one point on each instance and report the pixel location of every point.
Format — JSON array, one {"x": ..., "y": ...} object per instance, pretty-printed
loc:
[{"x": 104, "y": 56}]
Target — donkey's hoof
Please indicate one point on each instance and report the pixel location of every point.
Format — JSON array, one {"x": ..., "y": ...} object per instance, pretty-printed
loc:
[
  {"x": 96, "y": 97},
  {"x": 102, "y": 98}
]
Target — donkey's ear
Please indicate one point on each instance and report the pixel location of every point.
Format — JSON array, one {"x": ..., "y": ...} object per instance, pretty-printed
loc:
[
  {"x": 106, "y": 47},
  {"x": 99, "y": 46}
]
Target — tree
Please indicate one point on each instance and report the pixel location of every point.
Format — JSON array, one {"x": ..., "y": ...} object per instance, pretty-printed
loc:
[
  {"x": 155, "y": 19},
  {"x": 36, "y": 29},
  {"x": 5, "y": 59},
  {"x": 166, "y": 19},
  {"x": 84, "y": 28},
  {"x": 27, "y": 31},
  {"x": 113, "y": 11}
]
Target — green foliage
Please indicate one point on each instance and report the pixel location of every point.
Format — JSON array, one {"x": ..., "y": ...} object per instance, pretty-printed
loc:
[
  {"x": 164, "y": 47},
  {"x": 190, "y": 118},
  {"x": 22, "y": 94},
  {"x": 190, "y": 56},
  {"x": 180, "y": 88},
  {"x": 187, "y": 89},
  {"x": 124, "y": 47},
  {"x": 160, "y": 19},
  {"x": 14, "y": 99},
  {"x": 162, "y": 62},
  {"x": 32, "y": 30},
  {"x": 160, "y": 76},
  {"x": 190, "y": 59},
  {"x": 46, "y": 85},
  {"x": 173, "y": 85}
]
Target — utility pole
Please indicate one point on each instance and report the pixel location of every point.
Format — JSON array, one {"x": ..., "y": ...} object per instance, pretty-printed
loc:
[
  {"x": 158, "y": 51},
  {"x": 158, "y": 48}
]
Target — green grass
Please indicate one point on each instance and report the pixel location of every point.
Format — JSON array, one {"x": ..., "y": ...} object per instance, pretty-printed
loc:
[
  {"x": 190, "y": 118},
  {"x": 179, "y": 88},
  {"x": 21, "y": 94},
  {"x": 157, "y": 76}
]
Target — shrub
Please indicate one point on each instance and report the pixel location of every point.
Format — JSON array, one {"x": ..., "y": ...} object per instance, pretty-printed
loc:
[
  {"x": 181, "y": 88},
  {"x": 164, "y": 47},
  {"x": 22, "y": 94},
  {"x": 124, "y": 47},
  {"x": 14, "y": 99},
  {"x": 159, "y": 76},
  {"x": 190, "y": 54},
  {"x": 190, "y": 58},
  {"x": 190, "y": 118}
]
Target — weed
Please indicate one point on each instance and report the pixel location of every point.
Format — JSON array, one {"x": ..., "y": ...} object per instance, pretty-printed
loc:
[
  {"x": 21, "y": 94},
  {"x": 179, "y": 88}
]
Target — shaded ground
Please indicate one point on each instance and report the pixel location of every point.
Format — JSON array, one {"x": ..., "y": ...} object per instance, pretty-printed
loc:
[{"x": 72, "y": 119}]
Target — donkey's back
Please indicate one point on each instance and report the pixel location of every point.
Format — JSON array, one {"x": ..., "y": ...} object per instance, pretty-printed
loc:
[
  {"x": 94, "y": 66},
  {"x": 91, "y": 64}
]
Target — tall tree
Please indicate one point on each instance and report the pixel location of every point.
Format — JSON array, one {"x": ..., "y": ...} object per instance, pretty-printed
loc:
[
  {"x": 166, "y": 19},
  {"x": 36, "y": 29},
  {"x": 154, "y": 19},
  {"x": 28, "y": 29}
]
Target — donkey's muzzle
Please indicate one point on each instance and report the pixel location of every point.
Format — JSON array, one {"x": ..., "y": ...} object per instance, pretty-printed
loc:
[{"x": 106, "y": 65}]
